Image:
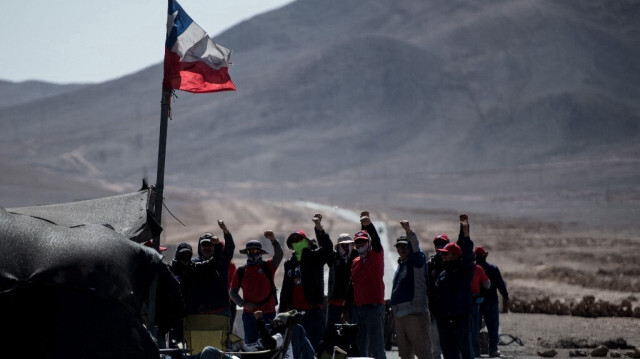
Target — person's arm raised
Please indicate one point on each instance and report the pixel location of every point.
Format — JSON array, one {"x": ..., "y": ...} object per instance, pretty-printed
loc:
[
  {"x": 324, "y": 241},
  {"x": 466, "y": 244},
  {"x": 229, "y": 244},
  {"x": 278, "y": 253},
  {"x": 367, "y": 225}
]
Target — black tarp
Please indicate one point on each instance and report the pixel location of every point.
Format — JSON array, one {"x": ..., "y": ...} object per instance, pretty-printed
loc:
[
  {"x": 72, "y": 287},
  {"x": 128, "y": 214}
]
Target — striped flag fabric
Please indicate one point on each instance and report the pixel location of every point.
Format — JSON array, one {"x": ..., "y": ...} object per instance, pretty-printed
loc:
[{"x": 193, "y": 62}]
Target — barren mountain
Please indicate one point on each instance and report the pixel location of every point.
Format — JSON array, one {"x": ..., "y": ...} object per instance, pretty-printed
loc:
[
  {"x": 12, "y": 93},
  {"x": 507, "y": 107},
  {"x": 523, "y": 113}
]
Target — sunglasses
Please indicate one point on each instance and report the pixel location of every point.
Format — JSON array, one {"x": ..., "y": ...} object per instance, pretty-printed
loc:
[
  {"x": 206, "y": 244},
  {"x": 401, "y": 246},
  {"x": 253, "y": 251}
]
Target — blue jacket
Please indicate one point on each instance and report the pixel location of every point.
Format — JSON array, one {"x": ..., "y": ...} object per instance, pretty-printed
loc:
[
  {"x": 409, "y": 292},
  {"x": 453, "y": 286}
]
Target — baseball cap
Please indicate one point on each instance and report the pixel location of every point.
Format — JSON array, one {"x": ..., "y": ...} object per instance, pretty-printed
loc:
[
  {"x": 184, "y": 247},
  {"x": 441, "y": 237},
  {"x": 361, "y": 235},
  {"x": 480, "y": 251},
  {"x": 402, "y": 240},
  {"x": 451, "y": 248},
  {"x": 296, "y": 237},
  {"x": 149, "y": 243},
  {"x": 207, "y": 237}
]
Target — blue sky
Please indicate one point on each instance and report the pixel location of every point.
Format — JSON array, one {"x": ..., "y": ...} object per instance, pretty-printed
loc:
[{"x": 75, "y": 41}]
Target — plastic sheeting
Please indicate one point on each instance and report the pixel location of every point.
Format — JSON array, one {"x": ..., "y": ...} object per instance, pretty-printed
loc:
[
  {"x": 128, "y": 214},
  {"x": 71, "y": 286}
]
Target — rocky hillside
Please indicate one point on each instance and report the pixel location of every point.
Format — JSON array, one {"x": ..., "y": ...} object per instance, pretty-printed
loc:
[{"x": 522, "y": 104}]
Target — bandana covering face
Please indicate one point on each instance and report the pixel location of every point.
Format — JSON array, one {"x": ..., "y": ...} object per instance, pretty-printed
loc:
[
  {"x": 298, "y": 247},
  {"x": 345, "y": 254},
  {"x": 362, "y": 250},
  {"x": 253, "y": 259}
]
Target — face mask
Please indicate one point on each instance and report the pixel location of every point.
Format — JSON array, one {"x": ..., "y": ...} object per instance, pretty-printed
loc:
[
  {"x": 254, "y": 258},
  {"x": 184, "y": 258},
  {"x": 362, "y": 250},
  {"x": 299, "y": 246},
  {"x": 345, "y": 252}
]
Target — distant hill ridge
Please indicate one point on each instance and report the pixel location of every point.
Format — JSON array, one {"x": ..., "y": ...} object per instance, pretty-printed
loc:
[
  {"x": 18, "y": 93},
  {"x": 376, "y": 89}
]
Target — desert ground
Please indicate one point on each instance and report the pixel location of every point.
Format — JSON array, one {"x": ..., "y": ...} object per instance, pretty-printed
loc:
[{"x": 541, "y": 261}]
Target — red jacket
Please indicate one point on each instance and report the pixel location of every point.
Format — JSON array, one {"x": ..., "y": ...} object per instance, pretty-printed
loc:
[
  {"x": 479, "y": 278},
  {"x": 367, "y": 274}
]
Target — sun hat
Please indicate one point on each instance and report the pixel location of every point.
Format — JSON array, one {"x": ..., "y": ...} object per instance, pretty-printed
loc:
[{"x": 253, "y": 244}]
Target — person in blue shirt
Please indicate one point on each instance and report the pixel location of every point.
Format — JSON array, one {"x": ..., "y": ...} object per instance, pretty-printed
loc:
[{"x": 409, "y": 300}]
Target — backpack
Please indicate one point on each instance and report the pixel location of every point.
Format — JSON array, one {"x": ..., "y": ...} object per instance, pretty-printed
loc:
[{"x": 267, "y": 272}]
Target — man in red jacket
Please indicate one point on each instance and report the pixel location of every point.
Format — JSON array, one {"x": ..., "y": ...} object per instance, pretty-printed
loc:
[
  {"x": 367, "y": 271},
  {"x": 256, "y": 279}
]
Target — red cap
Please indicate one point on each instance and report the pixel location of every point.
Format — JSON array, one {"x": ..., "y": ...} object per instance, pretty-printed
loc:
[
  {"x": 296, "y": 237},
  {"x": 149, "y": 243},
  {"x": 480, "y": 252},
  {"x": 361, "y": 235},
  {"x": 451, "y": 248},
  {"x": 441, "y": 237}
]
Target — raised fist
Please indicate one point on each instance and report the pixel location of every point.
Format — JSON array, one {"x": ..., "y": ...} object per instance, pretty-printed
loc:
[
  {"x": 405, "y": 225},
  {"x": 222, "y": 226},
  {"x": 268, "y": 234},
  {"x": 364, "y": 218},
  {"x": 464, "y": 222}
]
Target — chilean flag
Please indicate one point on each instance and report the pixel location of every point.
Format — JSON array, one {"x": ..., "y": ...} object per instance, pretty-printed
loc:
[{"x": 192, "y": 61}]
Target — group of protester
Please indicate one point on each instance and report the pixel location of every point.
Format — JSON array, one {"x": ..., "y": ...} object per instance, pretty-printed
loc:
[{"x": 443, "y": 296}]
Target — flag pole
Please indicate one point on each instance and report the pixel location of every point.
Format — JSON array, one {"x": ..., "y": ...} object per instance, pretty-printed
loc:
[
  {"x": 165, "y": 107},
  {"x": 162, "y": 150}
]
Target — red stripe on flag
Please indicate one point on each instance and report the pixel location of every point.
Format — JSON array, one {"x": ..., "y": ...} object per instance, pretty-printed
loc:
[{"x": 195, "y": 77}]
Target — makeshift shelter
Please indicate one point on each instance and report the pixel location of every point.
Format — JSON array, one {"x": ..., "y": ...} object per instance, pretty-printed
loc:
[
  {"x": 74, "y": 283},
  {"x": 129, "y": 214}
]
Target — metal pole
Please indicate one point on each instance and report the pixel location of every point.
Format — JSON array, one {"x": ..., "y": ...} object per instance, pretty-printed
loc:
[
  {"x": 162, "y": 150},
  {"x": 157, "y": 207}
]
